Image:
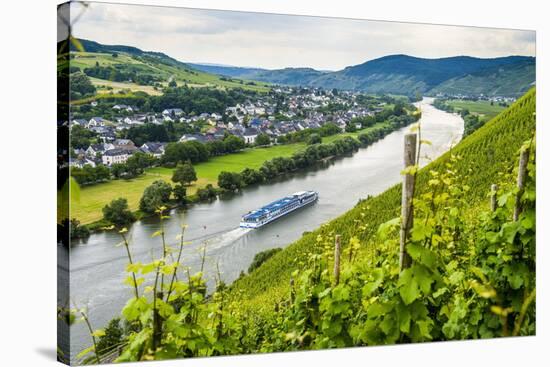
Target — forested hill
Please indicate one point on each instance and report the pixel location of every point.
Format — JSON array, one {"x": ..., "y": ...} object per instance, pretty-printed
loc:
[
  {"x": 403, "y": 74},
  {"x": 485, "y": 156}
]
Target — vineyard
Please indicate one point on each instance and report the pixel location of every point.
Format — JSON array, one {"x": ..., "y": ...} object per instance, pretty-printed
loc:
[{"x": 470, "y": 243}]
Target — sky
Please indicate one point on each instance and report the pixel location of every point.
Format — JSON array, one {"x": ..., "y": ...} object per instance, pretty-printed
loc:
[{"x": 278, "y": 41}]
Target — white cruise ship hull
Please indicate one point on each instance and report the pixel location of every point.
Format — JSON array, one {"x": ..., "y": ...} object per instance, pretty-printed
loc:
[{"x": 273, "y": 217}]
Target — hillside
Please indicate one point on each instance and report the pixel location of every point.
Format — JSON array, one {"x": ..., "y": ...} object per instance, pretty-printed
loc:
[
  {"x": 153, "y": 68},
  {"x": 485, "y": 154},
  {"x": 403, "y": 74},
  {"x": 508, "y": 80}
]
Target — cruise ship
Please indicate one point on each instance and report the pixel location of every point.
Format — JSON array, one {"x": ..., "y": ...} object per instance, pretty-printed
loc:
[{"x": 277, "y": 209}]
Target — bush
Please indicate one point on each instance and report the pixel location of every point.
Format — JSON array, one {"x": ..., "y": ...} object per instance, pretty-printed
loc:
[
  {"x": 206, "y": 193},
  {"x": 78, "y": 231},
  {"x": 117, "y": 212},
  {"x": 314, "y": 139},
  {"x": 251, "y": 176},
  {"x": 180, "y": 194},
  {"x": 230, "y": 181},
  {"x": 155, "y": 196}
]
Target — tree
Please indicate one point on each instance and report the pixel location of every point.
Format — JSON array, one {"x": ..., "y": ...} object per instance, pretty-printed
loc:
[
  {"x": 80, "y": 85},
  {"x": 251, "y": 176},
  {"x": 263, "y": 139},
  {"x": 172, "y": 84},
  {"x": 180, "y": 193},
  {"x": 314, "y": 139},
  {"x": 138, "y": 162},
  {"x": 112, "y": 337},
  {"x": 155, "y": 196},
  {"x": 184, "y": 174},
  {"x": 117, "y": 212},
  {"x": 118, "y": 170},
  {"x": 206, "y": 193},
  {"x": 78, "y": 231},
  {"x": 82, "y": 138},
  {"x": 230, "y": 181},
  {"x": 233, "y": 143}
]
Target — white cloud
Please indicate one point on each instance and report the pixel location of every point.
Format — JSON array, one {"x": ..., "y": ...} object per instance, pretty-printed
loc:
[{"x": 277, "y": 41}]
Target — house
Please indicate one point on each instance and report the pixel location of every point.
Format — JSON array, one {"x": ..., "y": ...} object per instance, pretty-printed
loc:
[
  {"x": 117, "y": 155},
  {"x": 95, "y": 149},
  {"x": 172, "y": 112},
  {"x": 156, "y": 149},
  {"x": 250, "y": 135},
  {"x": 80, "y": 163},
  {"x": 80, "y": 122},
  {"x": 96, "y": 121},
  {"x": 123, "y": 143},
  {"x": 193, "y": 137},
  {"x": 216, "y": 116},
  {"x": 107, "y": 136}
]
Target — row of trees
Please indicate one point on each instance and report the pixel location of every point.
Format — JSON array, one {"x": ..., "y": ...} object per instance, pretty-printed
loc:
[
  {"x": 195, "y": 151},
  {"x": 121, "y": 73},
  {"x": 233, "y": 181}
]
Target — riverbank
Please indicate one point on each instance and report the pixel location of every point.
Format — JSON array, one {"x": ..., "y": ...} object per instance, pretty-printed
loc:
[{"x": 88, "y": 208}]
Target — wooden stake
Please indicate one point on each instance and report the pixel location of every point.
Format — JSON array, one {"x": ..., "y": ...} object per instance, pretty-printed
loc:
[
  {"x": 522, "y": 173},
  {"x": 407, "y": 195},
  {"x": 292, "y": 291},
  {"x": 337, "y": 260},
  {"x": 494, "y": 189}
]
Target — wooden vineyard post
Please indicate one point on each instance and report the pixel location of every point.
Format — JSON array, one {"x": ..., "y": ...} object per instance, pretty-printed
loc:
[
  {"x": 407, "y": 200},
  {"x": 522, "y": 173},
  {"x": 494, "y": 189},
  {"x": 292, "y": 296},
  {"x": 337, "y": 251}
]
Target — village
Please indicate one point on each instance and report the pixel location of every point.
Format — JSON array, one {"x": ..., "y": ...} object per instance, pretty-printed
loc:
[{"x": 284, "y": 111}]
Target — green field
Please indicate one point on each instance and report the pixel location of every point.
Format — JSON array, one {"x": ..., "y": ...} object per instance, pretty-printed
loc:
[
  {"x": 180, "y": 73},
  {"x": 93, "y": 198},
  {"x": 481, "y": 108}
]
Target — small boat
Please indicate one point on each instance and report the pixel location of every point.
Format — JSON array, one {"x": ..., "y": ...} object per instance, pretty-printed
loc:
[{"x": 277, "y": 209}]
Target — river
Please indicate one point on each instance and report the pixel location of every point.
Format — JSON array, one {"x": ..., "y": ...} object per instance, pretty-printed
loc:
[{"x": 97, "y": 264}]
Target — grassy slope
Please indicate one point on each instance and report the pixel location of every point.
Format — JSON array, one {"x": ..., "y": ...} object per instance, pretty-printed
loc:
[
  {"x": 180, "y": 74},
  {"x": 94, "y": 198},
  {"x": 487, "y": 152},
  {"x": 481, "y": 108}
]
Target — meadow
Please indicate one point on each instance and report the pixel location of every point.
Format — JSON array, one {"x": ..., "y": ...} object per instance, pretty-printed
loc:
[{"x": 482, "y": 108}]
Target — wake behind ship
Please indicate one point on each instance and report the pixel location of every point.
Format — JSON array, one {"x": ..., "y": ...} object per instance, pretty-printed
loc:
[{"x": 278, "y": 208}]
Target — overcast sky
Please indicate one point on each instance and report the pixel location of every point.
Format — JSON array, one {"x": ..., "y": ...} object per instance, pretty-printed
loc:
[{"x": 278, "y": 41}]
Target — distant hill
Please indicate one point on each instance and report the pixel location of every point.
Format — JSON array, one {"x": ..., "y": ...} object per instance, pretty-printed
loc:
[
  {"x": 403, "y": 74},
  {"x": 154, "y": 65},
  {"x": 396, "y": 74}
]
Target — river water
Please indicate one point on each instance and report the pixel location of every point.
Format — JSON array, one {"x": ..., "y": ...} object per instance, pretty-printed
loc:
[{"x": 97, "y": 265}]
